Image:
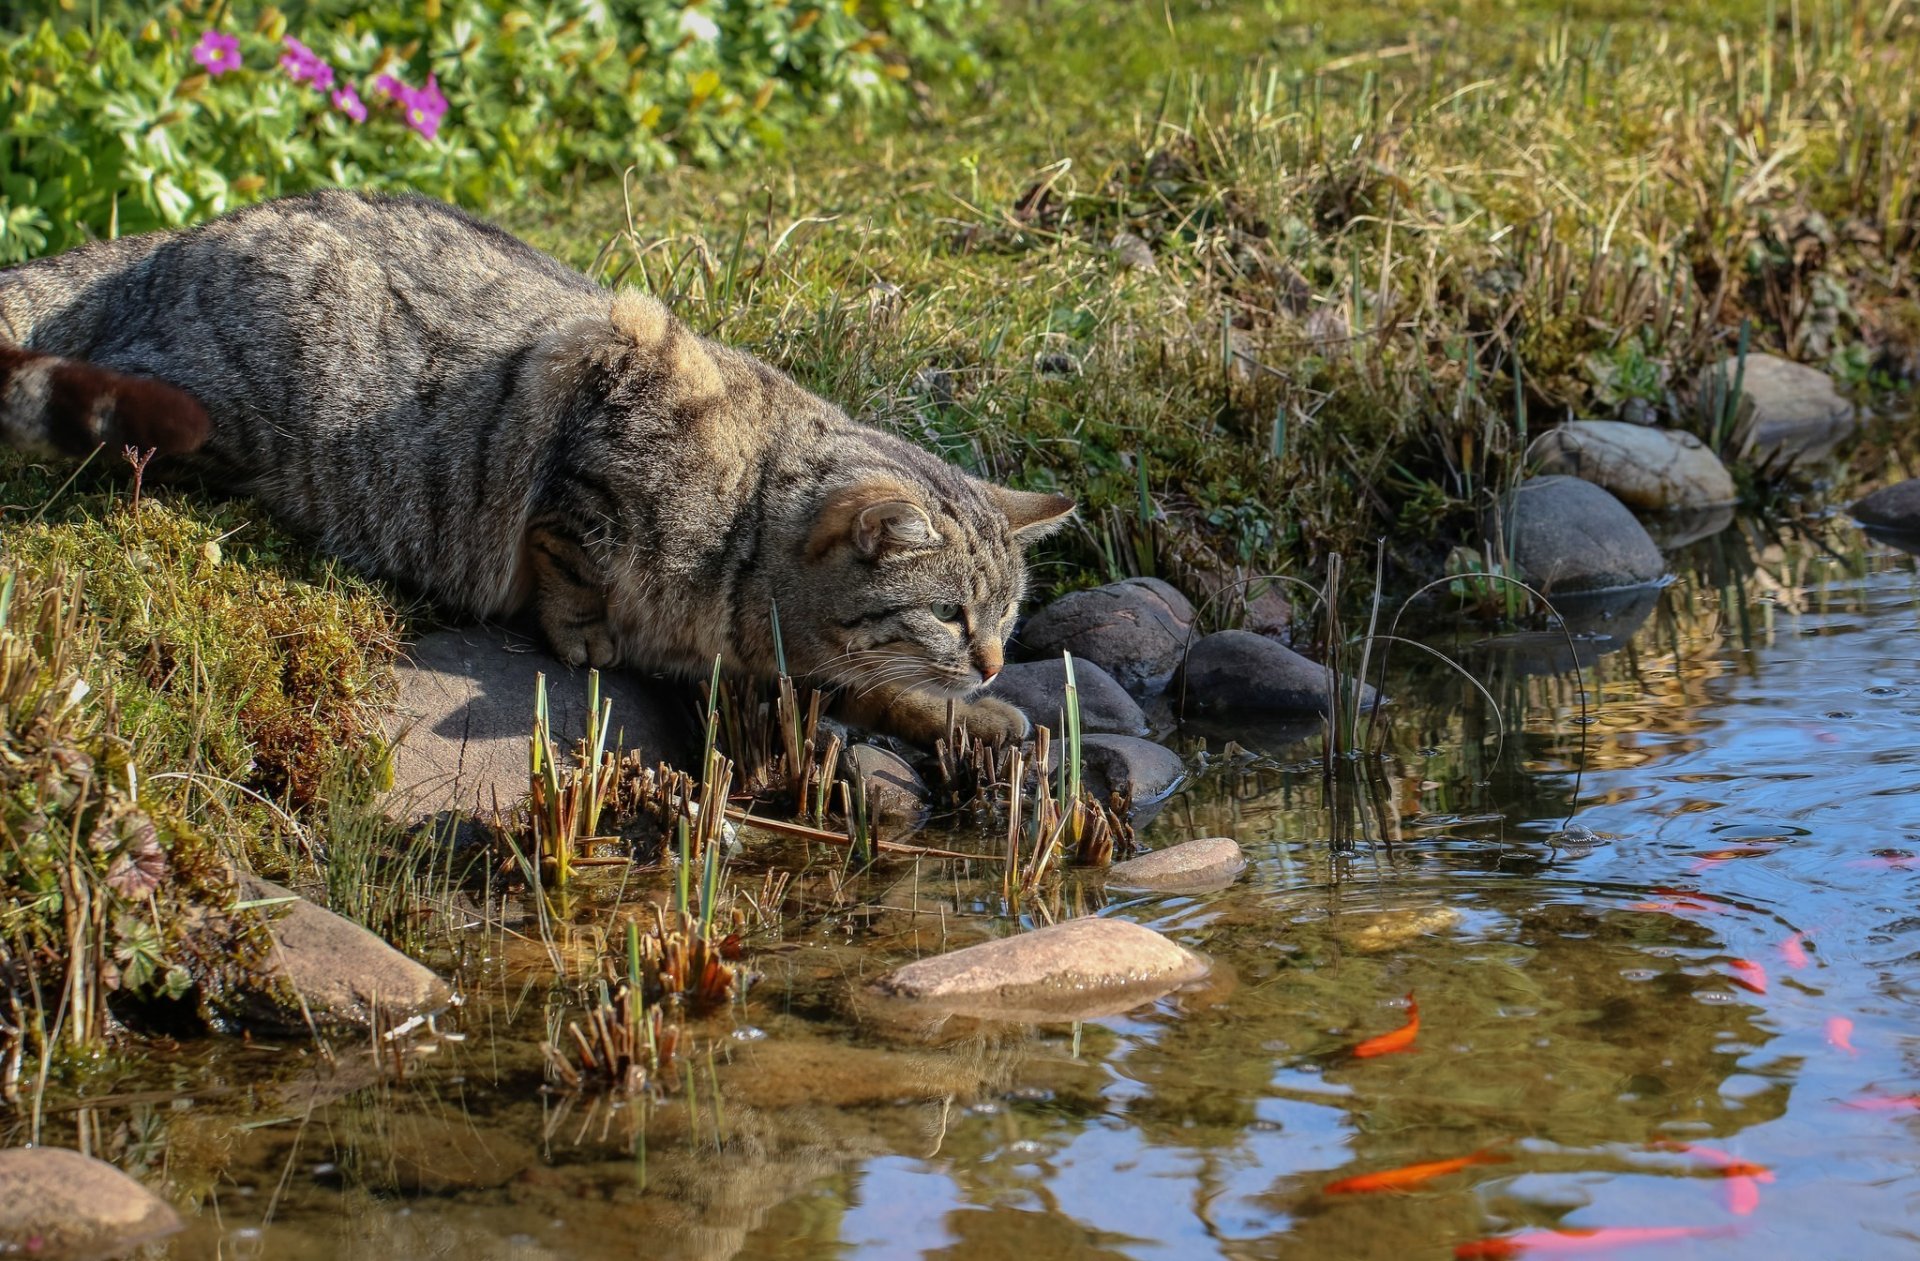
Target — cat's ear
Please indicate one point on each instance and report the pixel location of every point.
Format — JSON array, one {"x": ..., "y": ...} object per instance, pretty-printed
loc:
[
  {"x": 1031, "y": 514},
  {"x": 874, "y": 518}
]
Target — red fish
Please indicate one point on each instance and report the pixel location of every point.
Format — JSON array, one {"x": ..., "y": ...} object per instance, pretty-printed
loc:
[
  {"x": 1409, "y": 1176},
  {"x": 1399, "y": 1040},
  {"x": 1564, "y": 1243},
  {"x": 1682, "y": 901},
  {"x": 1793, "y": 951},
  {"x": 1840, "y": 1034},
  {"x": 1715, "y": 857},
  {"x": 1743, "y": 1177},
  {"x": 1749, "y": 975},
  {"x": 1887, "y": 1103}
]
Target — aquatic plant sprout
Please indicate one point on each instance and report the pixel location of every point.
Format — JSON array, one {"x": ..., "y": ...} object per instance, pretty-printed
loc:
[
  {"x": 303, "y": 65},
  {"x": 217, "y": 52}
]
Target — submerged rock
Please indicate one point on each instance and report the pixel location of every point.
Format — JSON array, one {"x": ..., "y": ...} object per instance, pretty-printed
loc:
[
  {"x": 466, "y": 709},
  {"x": 1078, "y": 970},
  {"x": 328, "y": 969},
  {"x": 1895, "y": 507},
  {"x": 1655, "y": 470},
  {"x": 1787, "y": 412},
  {"x": 1239, "y": 672},
  {"x": 1038, "y": 689},
  {"x": 1146, "y": 772},
  {"x": 896, "y": 797},
  {"x": 1190, "y": 867},
  {"x": 1565, "y": 534},
  {"x": 1393, "y": 929},
  {"x": 1135, "y": 630},
  {"x": 62, "y": 1206}
]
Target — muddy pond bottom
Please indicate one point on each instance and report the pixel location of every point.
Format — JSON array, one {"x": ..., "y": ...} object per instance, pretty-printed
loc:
[{"x": 1637, "y": 977}]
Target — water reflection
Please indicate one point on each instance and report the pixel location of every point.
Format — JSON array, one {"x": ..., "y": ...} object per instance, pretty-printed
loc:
[{"x": 1629, "y": 919}]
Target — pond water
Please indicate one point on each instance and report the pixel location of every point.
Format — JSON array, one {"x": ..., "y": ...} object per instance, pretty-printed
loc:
[{"x": 1672, "y": 927}]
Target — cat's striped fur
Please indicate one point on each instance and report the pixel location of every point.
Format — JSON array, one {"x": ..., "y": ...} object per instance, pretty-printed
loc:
[{"x": 439, "y": 403}]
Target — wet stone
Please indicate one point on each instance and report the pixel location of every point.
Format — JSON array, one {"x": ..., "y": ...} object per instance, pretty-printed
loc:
[
  {"x": 1135, "y": 630},
  {"x": 1895, "y": 507},
  {"x": 1077, "y": 970},
  {"x": 1146, "y": 772},
  {"x": 1566, "y": 534},
  {"x": 62, "y": 1206},
  {"x": 331, "y": 969},
  {"x": 1190, "y": 867},
  {"x": 1239, "y": 672},
  {"x": 1394, "y": 929},
  {"x": 1038, "y": 689},
  {"x": 1787, "y": 411},
  {"x": 1655, "y": 470},
  {"x": 896, "y": 797},
  {"x": 466, "y": 708}
]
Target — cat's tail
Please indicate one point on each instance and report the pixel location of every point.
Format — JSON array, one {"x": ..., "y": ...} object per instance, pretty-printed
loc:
[{"x": 53, "y": 405}]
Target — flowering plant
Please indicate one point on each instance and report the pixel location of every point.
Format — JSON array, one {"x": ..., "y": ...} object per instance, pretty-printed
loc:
[{"x": 140, "y": 122}]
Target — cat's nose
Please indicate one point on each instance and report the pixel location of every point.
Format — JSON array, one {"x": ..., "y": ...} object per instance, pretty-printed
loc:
[
  {"x": 988, "y": 669},
  {"x": 987, "y": 659}
]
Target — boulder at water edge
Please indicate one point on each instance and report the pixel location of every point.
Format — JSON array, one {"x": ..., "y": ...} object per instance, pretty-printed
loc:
[
  {"x": 1190, "y": 867},
  {"x": 1655, "y": 470},
  {"x": 1135, "y": 630},
  {"x": 1895, "y": 508},
  {"x": 1238, "y": 672},
  {"x": 59, "y": 1205},
  {"x": 1038, "y": 689},
  {"x": 1078, "y": 970},
  {"x": 329, "y": 969},
  {"x": 1565, "y": 534},
  {"x": 1146, "y": 772},
  {"x": 897, "y": 800},
  {"x": 466, "y": 710},
  {"x": 1786, "y": 411}
]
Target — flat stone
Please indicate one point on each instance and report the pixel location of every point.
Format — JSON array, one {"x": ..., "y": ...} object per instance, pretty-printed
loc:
[
  {"x": 1565, "y": 534},
  {"x": 59, "y": 1205},
  {"x": 1147, "y": 772},
  {"x": 335, "y": 971},
  {"x": 1787, "y": 414},
  {"x": 1239, "y": 672},
  {"x": 1190, "y": 867},
  {"x": 465, "y": 712},
  {"x": 896, "y": 796},
  {"x": 1393, "y": 929},
  {"x": 1073, "y": 971},
  {"x": 1038, "y": 689},
  {"x": 1133, "y": 252},
  {"x": 1895, "y": 507},
  {"x": 1654, "y": 470},
  {"x": 1135, "y": 630}
]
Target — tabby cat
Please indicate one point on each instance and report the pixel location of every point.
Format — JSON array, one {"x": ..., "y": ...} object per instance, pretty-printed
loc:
[{"x": 437, "y": 402}]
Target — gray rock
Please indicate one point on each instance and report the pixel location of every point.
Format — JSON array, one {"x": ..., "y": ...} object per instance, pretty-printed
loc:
[
  {"x": 895, "y": 794},
  {"x": 1566, "y": 534},
  {"x": 1135, "y": 630},
  {"x": 329, "y": 968},
  {"x": 1073, "y": 971},
  {"x": 1895, "y": 507},
  {"x": 1191, "y": 867},
  {"x": 58, "y": 1205},
  {"x": 466, "y": 709},
  {"x": 1239, "y": 672},
  {"x": 1671, "y": 531},
  {"x": 1146, "y": 771},
  {"x": 1655, "y": 470},
  {"x": 1038, "y": 689},
  {"x": 1787, "y": 413},
  {"x": 1133, "y": 252}
]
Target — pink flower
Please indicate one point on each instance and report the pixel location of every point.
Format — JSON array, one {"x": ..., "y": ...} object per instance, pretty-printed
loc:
[
  {"x": 348, "y": 102},
  {"x": 422, "y": 107},
  {"x": 303, "y": 65},
  {"x": 218, "y": 53}
]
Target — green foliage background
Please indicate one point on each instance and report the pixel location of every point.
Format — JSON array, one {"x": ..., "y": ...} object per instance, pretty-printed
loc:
[{"x": 107, "y": 124}]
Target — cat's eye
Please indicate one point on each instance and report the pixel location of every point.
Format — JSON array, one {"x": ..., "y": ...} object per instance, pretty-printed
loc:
[{"x": 945, "y": 612}]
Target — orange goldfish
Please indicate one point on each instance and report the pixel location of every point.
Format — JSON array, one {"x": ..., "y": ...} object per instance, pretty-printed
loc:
[
  {"x": 1399, "y": 1040},
  {"x": 1407, "y": 1177},
  {"x": 1573, "y": 1242},
  {"x": 1793, "y": 951},
  {"x": 1887, "y": 1103},
  {"x": 1743, "y": 1177},
  {"x": 1749, "y": 975},
  {"x": 1840, "y": 1034}
]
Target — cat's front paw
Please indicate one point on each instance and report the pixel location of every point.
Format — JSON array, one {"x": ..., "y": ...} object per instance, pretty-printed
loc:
[
  {"x": 993, "y": 720},
  {"x": 589, "y": 645}
]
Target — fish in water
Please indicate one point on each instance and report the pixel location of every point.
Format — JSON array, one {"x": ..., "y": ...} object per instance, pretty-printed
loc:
[
  {"x": 1567, "y": 1243},
  {"x": 1793, "y": 951},
  {"x": 1400, "y": 1039},
  {"x": 1840, "y": 1034},
  {"x": 1743, "y": 1177},
  {"x": 1408, "y": 1177},
  {"x": 1749, "y": 975}
]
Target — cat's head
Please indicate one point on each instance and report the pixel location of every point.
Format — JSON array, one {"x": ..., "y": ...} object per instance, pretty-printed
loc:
[{"x": 914, "y": 583}]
